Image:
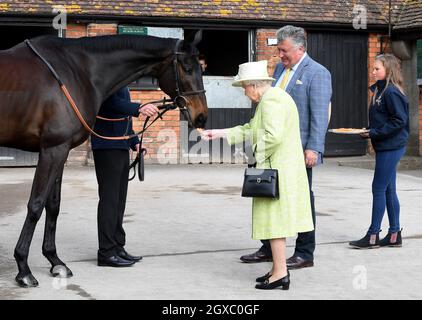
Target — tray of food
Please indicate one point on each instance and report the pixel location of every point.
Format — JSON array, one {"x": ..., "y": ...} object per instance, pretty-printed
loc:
[{"x": 348, "y": 130}]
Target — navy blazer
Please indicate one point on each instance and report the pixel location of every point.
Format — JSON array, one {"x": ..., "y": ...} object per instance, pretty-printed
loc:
[
  {"x": 116, "y": 106},
  {"x": 388, "y": 118}
]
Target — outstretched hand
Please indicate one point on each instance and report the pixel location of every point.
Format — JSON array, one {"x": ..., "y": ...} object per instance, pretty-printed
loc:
[{"x": 208, "y": 135}]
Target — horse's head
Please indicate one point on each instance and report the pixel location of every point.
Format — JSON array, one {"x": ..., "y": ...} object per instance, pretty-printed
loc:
[{"x": 181, "y": 79}]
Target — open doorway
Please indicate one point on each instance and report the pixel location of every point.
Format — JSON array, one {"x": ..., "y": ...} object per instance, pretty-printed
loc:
[
  {"x": 227, "y": 106},
  {"x": 11, "y": 36},
  {"x": 224, "y": 50}
]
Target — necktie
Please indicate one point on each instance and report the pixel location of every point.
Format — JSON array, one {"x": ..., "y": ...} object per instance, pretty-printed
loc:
[{"x": 285, "y": 79}]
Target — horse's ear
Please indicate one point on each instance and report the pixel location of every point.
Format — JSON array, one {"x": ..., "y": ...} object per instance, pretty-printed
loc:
[
  {"x": 198, "y": 37},
  {"x": 194, "y": 39}
]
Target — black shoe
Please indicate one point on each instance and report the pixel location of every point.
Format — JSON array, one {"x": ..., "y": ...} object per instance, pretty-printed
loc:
[
  {"x": 123, "y": 254},
  {"x": 365, "y": 242},
  {"x": 263, "y": 278},
  {"x": 386, "y": 242},
  {"x": 296, "y": 262},
  {"x": 114, "y": 261},
  {"x": 284, "y": 283},
  {"x": 258, "y": 256}
]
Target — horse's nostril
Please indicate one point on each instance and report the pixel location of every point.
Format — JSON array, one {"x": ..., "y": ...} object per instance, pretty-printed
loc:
[{"x": 201, "y": 120}]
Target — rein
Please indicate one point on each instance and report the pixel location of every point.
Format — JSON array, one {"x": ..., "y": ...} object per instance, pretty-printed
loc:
[{"x": 179, "y": 101}]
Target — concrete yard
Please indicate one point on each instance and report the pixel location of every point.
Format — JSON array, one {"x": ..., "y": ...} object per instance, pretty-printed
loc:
[{"x": 191, "y": 226}]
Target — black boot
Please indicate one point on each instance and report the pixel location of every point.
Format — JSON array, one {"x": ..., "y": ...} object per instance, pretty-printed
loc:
[
  {"x": 386, "y": 242},
  {"x": 365, "y": 242}
]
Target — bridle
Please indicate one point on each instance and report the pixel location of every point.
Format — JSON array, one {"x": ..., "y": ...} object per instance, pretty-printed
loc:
[{"x": 180, "y": 101}]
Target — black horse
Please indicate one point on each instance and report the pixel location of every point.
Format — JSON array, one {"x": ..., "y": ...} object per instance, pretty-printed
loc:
[{"x": 36, "y": 115}]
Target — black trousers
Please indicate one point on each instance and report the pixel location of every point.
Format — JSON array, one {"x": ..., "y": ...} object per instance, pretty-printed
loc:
[
  {"x": 112, "y": 170},
  {"x": 305, "y": 241}
]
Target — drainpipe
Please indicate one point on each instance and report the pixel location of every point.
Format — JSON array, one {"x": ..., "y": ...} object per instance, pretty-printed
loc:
[{"x": 389, "y": 19}]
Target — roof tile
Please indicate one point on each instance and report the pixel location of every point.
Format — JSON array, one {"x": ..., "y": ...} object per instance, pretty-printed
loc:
[
  {"x": 410, "y": 15},
  {"x": 318, "y": 11}
]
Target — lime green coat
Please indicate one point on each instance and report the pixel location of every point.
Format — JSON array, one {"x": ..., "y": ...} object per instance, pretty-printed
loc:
[{"x": 274, "y": 132}]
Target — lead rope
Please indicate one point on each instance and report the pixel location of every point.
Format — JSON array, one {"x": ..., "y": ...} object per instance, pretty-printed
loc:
[
  {"x": 165, "y": 106},
  {"x": 138, "y": 160}
]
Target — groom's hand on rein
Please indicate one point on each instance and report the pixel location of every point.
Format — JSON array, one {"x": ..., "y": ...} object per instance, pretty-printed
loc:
[{"x": 148, "y": 110}]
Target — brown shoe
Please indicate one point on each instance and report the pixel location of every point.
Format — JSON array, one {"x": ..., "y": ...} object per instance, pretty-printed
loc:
[
  {"x": 258, "y": 256},
  {"x": 295, "y": 262}
]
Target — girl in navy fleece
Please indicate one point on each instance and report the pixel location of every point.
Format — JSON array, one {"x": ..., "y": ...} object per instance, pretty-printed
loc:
[{"x": 389, "y": 133}]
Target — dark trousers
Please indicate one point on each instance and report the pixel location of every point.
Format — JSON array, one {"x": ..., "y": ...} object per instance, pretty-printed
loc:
[
  {"x": 305, "y": 242},
  {"x": 112, "y": 170}
]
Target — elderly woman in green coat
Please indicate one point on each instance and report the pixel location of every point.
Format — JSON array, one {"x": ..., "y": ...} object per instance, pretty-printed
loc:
[{"x": 274, "y": 132}]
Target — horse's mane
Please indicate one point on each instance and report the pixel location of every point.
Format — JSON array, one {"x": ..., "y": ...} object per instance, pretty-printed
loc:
[{"x": 109, "y": 43}]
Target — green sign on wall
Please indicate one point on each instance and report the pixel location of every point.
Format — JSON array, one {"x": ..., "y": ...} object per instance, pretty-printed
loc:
[{"x": 136, "y": 30}]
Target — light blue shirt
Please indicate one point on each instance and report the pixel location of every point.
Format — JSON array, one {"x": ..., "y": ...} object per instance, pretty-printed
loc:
[{"x": 292, "y": 72}]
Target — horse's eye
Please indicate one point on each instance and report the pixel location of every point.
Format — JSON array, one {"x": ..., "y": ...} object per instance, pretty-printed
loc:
[{"x": 188, "y": 69}]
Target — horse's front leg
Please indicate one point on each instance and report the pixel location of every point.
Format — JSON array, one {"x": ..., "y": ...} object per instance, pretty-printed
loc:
[
  {"x": 52, "y": 208},
  {"x": 50, "y": 162}
]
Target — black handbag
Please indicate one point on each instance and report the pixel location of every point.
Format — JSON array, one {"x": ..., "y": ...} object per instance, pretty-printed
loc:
[{"x": 260, "y": 183}]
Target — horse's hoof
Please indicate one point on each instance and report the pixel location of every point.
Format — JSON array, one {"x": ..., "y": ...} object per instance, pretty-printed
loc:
[
  {"x": 61, "y": 271},
  {"x": 27, "y": 281}
]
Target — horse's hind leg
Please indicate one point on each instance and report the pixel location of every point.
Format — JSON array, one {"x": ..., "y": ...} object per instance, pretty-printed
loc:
[
  {"x": 49, "y": 164},
  {"x": 52, "y": 208}
]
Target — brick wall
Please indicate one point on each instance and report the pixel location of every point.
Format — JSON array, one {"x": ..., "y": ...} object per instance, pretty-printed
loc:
[
  {"x": 96, "y": 29},
  {"x": 266, "y": 52},
  {"x": 374, "y": 48},
  {"x": 80, "y": 154},
  {"x": 76, "y": 31},
  {"x": 162, "y": 139}
]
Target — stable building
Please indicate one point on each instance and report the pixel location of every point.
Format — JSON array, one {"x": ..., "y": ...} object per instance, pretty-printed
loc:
[{"x": 342, "y": 36}]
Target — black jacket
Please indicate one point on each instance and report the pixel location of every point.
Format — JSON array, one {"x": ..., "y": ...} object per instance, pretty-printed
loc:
[
  {"x": 388, "y": 118},
  {"x": 116, "y": 106}
]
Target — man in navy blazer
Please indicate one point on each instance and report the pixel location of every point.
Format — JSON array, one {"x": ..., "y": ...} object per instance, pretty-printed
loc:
[
  {"x": 111, "y": 158},
  {"x": 309, "y": 84}
]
